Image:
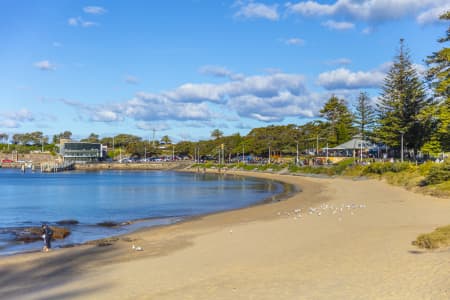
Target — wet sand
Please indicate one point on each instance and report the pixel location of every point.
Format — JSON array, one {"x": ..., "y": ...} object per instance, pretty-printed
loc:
[{"x": 337, "y": 239}]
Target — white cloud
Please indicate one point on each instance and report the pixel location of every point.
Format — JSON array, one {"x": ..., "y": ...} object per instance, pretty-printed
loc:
[
  {"x": 367, "y": 10},
  {"x": 295, "y": 41},
  {"x": 9, "y": 124},
  {"x": 276, "y": 108},
  {"x": 254, "y": 10},
  {"x": 57, "y": 44},
  {"x": 267, "y": 98},
  {"x": 432, "y": 15},
  {"x": 264, "y": 86},
  {"x": 79, "y": 21},
  {"x": 131, "y": 79},
  {"x": 16, "y": 119},
  {"x": 343, "y": 78},
  {"x": 338, "y": 25},
  {"x": 45, "y": 65},
  {"x": 151, "y": 107},
  {"x": 104, "y": 115},
  {"x": 94, "y": 10}
]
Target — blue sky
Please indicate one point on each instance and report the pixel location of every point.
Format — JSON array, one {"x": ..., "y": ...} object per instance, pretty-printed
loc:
[{"x": 185, "y": 68}]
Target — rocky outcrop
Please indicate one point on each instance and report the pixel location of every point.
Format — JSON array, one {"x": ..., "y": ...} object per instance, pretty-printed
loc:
[{"x": 33, "y": 234}]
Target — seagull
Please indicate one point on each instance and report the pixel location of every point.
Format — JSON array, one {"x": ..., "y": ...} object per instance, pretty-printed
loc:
[{"x": 137, "y": 248}]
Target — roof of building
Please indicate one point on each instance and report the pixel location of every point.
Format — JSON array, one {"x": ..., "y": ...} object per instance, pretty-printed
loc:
[{"x": 355, "y": 143}]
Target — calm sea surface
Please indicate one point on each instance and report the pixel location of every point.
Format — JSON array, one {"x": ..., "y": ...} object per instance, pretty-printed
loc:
[{"x": 156, "y": 198}]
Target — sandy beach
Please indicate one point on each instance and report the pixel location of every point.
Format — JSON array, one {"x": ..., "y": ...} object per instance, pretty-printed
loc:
[{"x": 336, "y": 239}]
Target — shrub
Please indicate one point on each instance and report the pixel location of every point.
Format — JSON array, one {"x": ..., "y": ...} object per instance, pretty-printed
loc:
[
  {"x": 438, "y": 173},
  {"x": 384, "y": 167},
  {"x": 341, "y": 166},
  {"x": 438, "y": 238}
]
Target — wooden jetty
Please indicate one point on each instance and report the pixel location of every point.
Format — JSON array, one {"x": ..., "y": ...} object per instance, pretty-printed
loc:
[{"x": 53, "y": 167}]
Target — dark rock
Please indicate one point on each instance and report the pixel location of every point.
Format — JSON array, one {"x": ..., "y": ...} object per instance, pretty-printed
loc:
[
  {"x": 33, "y": 234},
  {"x": 67, "y": 222},
  {"x": 108, "y": 224}
]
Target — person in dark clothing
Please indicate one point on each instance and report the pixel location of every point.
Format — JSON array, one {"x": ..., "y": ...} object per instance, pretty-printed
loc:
[{"x": 47, "y": 234}]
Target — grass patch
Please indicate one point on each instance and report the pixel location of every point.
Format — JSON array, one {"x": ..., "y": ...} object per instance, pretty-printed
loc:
[{"x": 440, "y": 237}]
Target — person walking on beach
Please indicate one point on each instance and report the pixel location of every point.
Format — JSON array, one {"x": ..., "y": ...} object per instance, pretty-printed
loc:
[{"x": 47, "y": 234}]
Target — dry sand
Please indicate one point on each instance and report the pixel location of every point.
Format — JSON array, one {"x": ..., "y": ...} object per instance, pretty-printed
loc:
[{"x": 262, "y": 252}]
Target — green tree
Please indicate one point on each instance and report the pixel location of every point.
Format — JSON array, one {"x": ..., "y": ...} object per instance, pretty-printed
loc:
[
  {"x": 364, "y": 118},
  {"x": 402, "y": 99},
  {"x": 4, "y": 137},
  {"x": 63, "y": 135},
  {"x": 438, "y": 114},
  {"x": 92, "y": 138},
  {"x": 438, "y": 73},
  {"x": 166, "y": 140},
  {"x": 123, "y": 140},
  {"x": 339, "y": 120},
  {"x": 217, "y": 134}
]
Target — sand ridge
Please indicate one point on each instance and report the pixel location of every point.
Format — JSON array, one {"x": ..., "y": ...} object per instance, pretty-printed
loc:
[{"x": 337, "y": 239}]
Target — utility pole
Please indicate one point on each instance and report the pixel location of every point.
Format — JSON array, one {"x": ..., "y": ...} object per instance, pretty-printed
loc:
[
  {"x": 243, "y": 157},
  {"x": 296, "y": 159}
]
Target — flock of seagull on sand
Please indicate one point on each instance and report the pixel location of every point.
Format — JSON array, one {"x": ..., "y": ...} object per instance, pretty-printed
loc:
[{"x": 298, "y": 213}]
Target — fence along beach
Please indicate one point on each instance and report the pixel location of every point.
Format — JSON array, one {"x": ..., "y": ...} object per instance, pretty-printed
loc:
[{"x": 271, "y": 251}]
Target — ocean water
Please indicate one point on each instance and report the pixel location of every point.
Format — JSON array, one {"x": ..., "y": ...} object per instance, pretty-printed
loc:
[{"x": 152, "y": 197}]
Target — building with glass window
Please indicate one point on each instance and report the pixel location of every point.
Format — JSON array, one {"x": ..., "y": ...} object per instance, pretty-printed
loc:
[{"x": 79, "y": 152}]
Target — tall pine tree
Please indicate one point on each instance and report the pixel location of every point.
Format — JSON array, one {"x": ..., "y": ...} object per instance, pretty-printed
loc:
[
  {"x": 438, "y": 114},
  {"x": 402, "y": 98},
  {"x": 364, "y": 116}
]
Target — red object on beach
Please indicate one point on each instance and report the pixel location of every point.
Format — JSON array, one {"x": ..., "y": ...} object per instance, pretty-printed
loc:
[{"x": 7, "y": 161}]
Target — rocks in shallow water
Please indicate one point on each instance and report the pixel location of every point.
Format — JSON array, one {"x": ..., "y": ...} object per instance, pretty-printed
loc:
[
  {"x": 67, "y": 222},
  {"x": 33, "y": 234},
  {"x": 113, "y": 224},
  {"x": 108, "y": 224}
]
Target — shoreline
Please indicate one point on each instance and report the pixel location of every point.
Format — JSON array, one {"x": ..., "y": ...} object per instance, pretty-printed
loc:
[
  {"x": 287, "y": 190},
  {"x": 262, "y": 252}
]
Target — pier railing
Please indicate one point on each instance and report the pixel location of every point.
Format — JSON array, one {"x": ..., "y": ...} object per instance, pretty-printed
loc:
[{"x": 53, "y": 167}]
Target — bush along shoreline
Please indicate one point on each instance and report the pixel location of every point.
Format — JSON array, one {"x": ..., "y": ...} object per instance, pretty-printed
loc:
[{"x": 429, "y": 178}]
